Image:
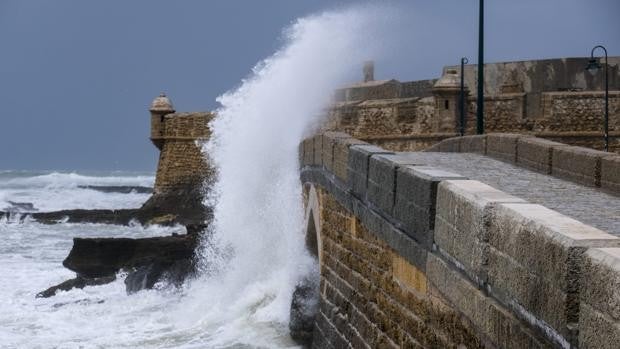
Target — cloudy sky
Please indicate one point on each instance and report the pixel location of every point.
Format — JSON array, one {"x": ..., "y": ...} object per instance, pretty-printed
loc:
[{"x": 77, "y": 76}]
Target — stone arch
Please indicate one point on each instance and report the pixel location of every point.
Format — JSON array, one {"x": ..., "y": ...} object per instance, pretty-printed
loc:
[{"x": 312, "y": 223}]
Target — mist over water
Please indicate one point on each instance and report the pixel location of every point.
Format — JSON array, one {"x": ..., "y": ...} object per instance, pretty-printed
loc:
[
  {"x": 254, "y": 145},
  {"x": 255, "y": 254}
]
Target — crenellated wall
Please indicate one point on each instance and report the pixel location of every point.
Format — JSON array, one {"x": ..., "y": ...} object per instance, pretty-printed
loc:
[{"x": 412, "y": 255}]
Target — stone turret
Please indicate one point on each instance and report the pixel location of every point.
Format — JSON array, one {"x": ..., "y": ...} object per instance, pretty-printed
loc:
[
  {"x": 446, "y": 92},
  {"x": 182, "y": 169},
  {"x": 160, "y": 107}
]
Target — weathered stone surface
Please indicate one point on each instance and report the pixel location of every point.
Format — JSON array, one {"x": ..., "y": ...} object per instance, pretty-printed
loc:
[
  {"x": 503, "y": 146},
  {"x": 382, "y": 179},
  {"x": 341, "y": 156},
  {"x": 474, "y": 144},
  {"x": 450, "y": 145},
  {"x": 318, "y": 150},
  {"x": 308, "y": 151},
  {"x": 329, "y": 141},
  {"x": 596, "y": 330},
  {"x": 357, "y": 170},
  {"x": 463, "y": 211},
  {"x": 578, "y": 164},
  {"x": 601, "y": 281},
  {"x": 535, "y": 260},
  {"x": 415, "y": 200},
  {"x": 610, "y": 173},
  {"x": 536, "y": 153},
  {"x": 502, "y": 328}
]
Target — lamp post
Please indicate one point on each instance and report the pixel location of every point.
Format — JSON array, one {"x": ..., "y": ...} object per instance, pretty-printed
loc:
[
  {"x": 480, "y": 98},
  {"x": 593, "y": 66},
  {"x": 462, "y": 96}
]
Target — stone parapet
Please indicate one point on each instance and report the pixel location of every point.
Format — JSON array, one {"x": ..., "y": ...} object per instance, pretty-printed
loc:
[
  {"x": 416, "y": 256},
  {"x": 578, "y": 164}
]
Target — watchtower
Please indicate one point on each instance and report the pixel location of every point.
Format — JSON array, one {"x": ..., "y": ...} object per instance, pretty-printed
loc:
[{"x": 160, "y": 107}]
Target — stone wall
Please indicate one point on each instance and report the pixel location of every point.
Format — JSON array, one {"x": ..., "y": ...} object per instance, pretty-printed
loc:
[
  {"x": 555, "y": 99},
  {"x": 413, "y": 256},
  {"x": 181, "y": 162},
  {"x": 578, "y": 164}
]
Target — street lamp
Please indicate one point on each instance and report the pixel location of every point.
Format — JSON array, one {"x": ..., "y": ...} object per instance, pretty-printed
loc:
[
  {"x": 593, "y": 66},
  {"x": 462, "y": 96},
  {"x": 480, "y": 104}
]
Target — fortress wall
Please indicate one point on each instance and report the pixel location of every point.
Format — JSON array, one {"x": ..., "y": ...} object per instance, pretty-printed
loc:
[
  {"x": 181, "y": 162},
  {"x": 555, "y": 99},
  {"x": 414, "y": 256}
]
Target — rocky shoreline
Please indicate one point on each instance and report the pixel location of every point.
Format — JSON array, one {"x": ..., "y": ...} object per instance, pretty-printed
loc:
[{"x": 147, "y": 261}]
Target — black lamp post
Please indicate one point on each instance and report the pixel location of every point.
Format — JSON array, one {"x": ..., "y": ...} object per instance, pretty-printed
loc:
[
  {"x": 462, "y": 96},
  {"x": 480, "y": 104},
  {"x": 593, "y": 66}
]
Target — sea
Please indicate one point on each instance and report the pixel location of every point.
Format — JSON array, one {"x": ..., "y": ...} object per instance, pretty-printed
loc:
[{"x": 255, "y": 255}]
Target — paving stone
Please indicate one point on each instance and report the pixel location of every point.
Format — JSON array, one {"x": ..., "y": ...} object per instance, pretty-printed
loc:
[{"x": 589, "y": 205}]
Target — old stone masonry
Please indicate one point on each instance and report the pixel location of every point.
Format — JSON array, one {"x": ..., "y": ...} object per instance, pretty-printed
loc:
[{"x": 501, "y": 240}]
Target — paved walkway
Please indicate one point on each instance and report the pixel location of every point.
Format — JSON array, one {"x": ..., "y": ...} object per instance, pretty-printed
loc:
[{"x": 586, "y": 204}]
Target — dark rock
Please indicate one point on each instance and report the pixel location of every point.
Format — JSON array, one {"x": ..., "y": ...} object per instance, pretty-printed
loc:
[
  {"x": 304, "y": 307},
  {"x": 119, "y": 217},
  {"x": 147, "y": 276},
  {"x": 20, "y": 207},
  {"x": 77, "y": 282},
  {"x": 99, "y": 257},
  {"x": 122, "y": 189},
  {"x": 184, "y": 205}
]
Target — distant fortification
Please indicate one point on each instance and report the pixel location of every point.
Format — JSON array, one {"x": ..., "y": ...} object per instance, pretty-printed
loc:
[
  {"x": 555, "y": 99},
  {"x": 182, "y": 168}
]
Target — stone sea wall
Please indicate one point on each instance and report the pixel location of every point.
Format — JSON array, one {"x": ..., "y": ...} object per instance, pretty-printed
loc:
[{"x": 415, "y": 256}]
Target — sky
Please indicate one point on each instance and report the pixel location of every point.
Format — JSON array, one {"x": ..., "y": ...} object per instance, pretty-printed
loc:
[{"x": 77, "y": 76}]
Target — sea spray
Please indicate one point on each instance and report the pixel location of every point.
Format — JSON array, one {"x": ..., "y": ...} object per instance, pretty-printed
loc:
[{"x": 257, "y": 195}]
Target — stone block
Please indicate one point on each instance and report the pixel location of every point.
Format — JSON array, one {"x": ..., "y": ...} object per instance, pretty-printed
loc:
[
  {"x": 415, "y": 201},
  {"x": 308, "y": 151},
  {"x": 536, "y": 153},
  {"x": 382, "y": 179},
  {"x": 474, "y": 144},
  {"x": 495, "y": 322},
  {"x": 503, "y": 146},
  {"x": 341, "y": 156},
  {"x": 357, "y": 169},
  {"x": 462, "y": 212},
  {"x": 610, "y": 173},
  {"x": 578, "y": 164},
  {"x": 601, "y": 281},
  {"x": 450, "y": 145},
  {"x": 318, "y": 150},
  {"x": 534, "y": 262},
  {"x": 329, "y": 141},
  {"x": 597, "y": 331}
]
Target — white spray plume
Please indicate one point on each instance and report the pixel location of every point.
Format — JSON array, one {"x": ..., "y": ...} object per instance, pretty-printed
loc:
[{"x": 257, "y": 195}]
